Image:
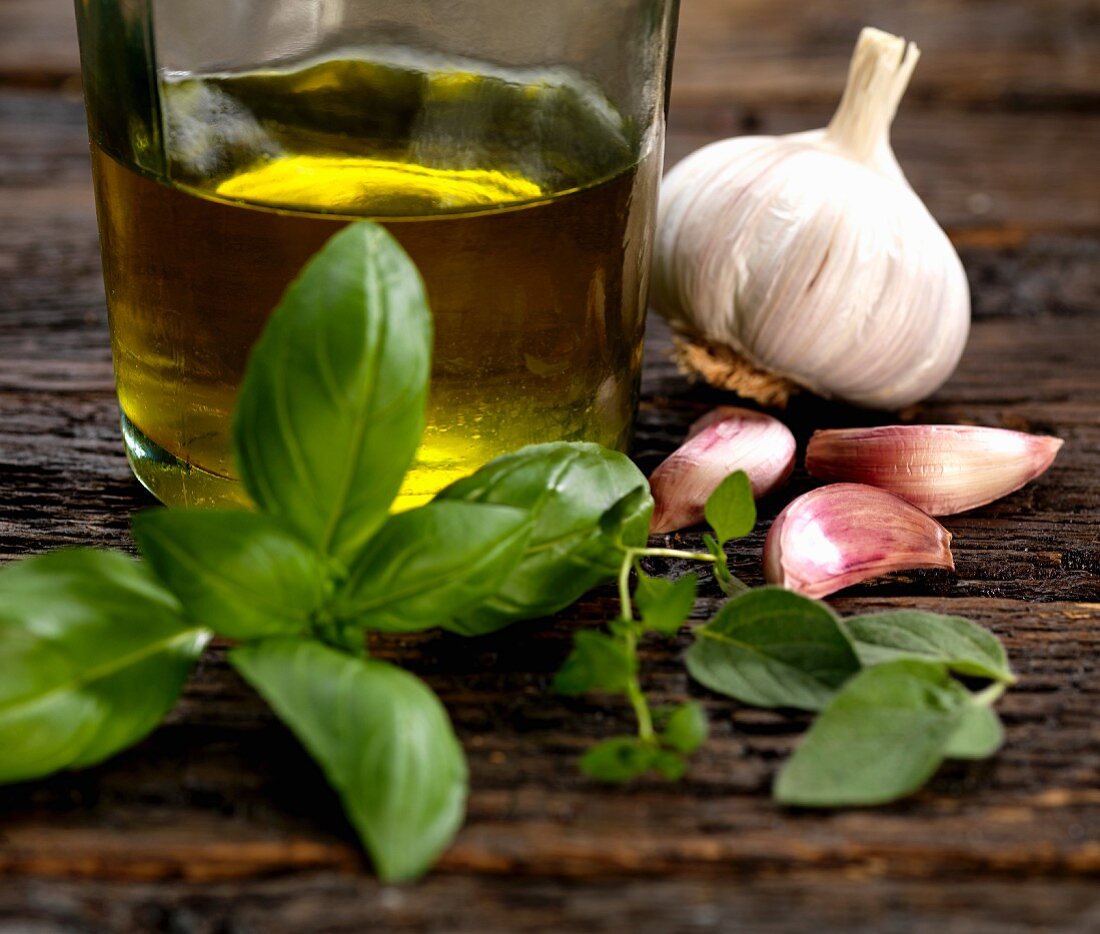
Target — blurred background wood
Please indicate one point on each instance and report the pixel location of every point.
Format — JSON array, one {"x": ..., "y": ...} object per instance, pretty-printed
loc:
[{"x": 218, "y": 822}]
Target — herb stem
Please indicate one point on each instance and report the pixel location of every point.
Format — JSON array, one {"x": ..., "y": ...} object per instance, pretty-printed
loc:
[
  {"x": 674, "y": 553},
  {"x": 635, "y": 694},
  {"x": 989, "y": 696},
  {"x": 630, "y": 641},
  {"x": 626, "y": 610}
]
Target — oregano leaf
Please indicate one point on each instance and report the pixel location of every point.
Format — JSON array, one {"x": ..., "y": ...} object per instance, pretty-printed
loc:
[
  {"x": 963, "y": 645},
  {"x": 731, "y": 509},
  {"x": 880, "y": 738},
  {"x": 978, "y": 735},
  {"x": 773, "y": 648},
  {"x": 686, "y": 728},
  {"x": 597, "y": 663},
  {"x": 665, "y": 604}
]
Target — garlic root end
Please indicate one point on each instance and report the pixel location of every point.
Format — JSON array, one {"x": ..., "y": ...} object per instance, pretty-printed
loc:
[{"x": 724, "y": 368}]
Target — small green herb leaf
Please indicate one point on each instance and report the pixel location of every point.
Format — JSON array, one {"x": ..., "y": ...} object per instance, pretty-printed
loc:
[
  {"x": 568, "y": 488},
  {"x": 597, "y": 663},
  {"x": 238, "y": 573},
  {"x": 731, "y": 510},
  {"x": 331, "y": 408},
  {"x": 978, "y": 735},
  {"x": 618, "y": 759},
  {"x": 668, "y": 763},
  {"x": 426, "y": 566},
  {"x": 665, "y": 604},
  {"x": 773, "y": 648},
  {"x": 382, "y": 738},
  {"x": 94, "y": 654},
  {"x": 686, "y": 728},
  {"x": 964, "y": 646},
  {"x": 727, "y": 583},
  {"x": 881, "y": 738}
]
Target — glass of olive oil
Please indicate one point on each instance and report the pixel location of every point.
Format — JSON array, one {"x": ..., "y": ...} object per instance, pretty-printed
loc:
[{"x": 513, "y": 148}]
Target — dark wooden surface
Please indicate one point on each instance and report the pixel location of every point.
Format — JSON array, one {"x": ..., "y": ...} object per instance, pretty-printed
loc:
[{"x": 218, "y": 822}]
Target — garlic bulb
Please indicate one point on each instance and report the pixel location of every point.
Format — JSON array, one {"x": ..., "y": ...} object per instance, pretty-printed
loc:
[{"x": 808, "y": 261}]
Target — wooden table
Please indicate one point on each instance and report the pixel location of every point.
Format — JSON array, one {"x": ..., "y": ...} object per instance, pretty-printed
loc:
[{"x": 219, "y": 822}]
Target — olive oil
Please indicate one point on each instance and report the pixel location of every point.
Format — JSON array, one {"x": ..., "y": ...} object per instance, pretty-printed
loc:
[{"x": 520, "y": 198}]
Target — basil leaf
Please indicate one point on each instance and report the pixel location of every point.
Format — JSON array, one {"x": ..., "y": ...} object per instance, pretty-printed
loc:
[
  {"x": 382, "y": 738},
  {"x": 964, "y": 646},
  {"x": 568, "y": 488},
  {"x": 881, "y": 737},
  {"x": 597, "y": 663},
  {"x": 331, "y": 408},
  {"x": 429, "y": 564},
  {"x": 731, "y": 510},
  {"x": 238, "y": 573},
  {"x": 94, "y": 655},
  {"x": 627, "y": 515},
  {"x": 618, "y": 759},
  {"x": 686, "y": 728},
  {"x": 771, "y": 647},
  {"x": 978, "y": 735},
  {"x": 665, "y": 604}
]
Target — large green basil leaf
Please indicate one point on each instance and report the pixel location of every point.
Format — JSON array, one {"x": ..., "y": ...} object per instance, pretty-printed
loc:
[
  {"x": 382, "y": 738},
  {"x": 568, "y": 487},
  {"x": 773, "y": 648},
  {"x": 331, "y": 408},
  {"x": 93, "y": 653},
  {"x": 239, "y": 573},
  {"x": 882, "y": 736},
  {"x": 430, "y": 564}
]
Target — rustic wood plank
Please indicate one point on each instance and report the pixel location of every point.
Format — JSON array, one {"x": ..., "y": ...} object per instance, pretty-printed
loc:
[
  {"x": 223, "y": 792},
  {"x": 1030, "y": 54},
  {"x": 349, "y": 904},
  {"x": 219, "y": 821}
]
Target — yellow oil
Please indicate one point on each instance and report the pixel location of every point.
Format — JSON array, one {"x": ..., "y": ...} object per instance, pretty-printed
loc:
[{"x": 519, "y": 201}]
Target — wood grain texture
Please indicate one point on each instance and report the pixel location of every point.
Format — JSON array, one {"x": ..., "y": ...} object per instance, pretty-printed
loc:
[
  {"x": 219, "y": 822},
  {"x": 1025, "y": 54}
]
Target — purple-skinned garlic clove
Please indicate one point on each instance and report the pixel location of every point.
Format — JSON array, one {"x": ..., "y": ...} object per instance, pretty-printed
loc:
[
  {"x": 845, "y": 533},
  {"x": 718, "y": 444},
  {"x": 942, "y": 469}
]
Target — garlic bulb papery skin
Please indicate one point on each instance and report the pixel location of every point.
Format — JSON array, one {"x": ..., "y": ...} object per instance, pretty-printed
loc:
[
  {"x": 808, "y": 261},
  {"x": 941, "y": 469},
  {"x": 723, "y": 441},
  {"x": 846, "y": 533}
]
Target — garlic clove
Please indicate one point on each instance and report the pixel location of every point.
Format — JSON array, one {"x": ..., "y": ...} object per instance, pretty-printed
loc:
[
  {"x": 941, "y": 469},
  {"x": 721, "y": 442},
  {"x": 845, "y": 533}
]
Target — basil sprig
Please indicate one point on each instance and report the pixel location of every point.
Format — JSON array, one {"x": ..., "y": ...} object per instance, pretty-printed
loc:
[{"x": 330, "y": 414}]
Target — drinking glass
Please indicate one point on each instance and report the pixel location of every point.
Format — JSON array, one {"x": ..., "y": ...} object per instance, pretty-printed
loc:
[{"x": 512, "y": 147}]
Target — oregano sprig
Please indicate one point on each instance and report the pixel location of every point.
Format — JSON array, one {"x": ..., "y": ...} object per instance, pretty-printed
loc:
[{"x": 608, "y": 662}]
